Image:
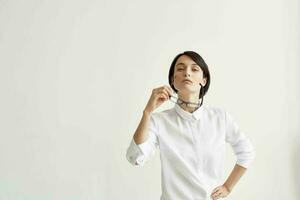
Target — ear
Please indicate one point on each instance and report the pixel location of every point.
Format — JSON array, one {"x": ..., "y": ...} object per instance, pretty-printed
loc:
[{"x": 204, "y": 81}]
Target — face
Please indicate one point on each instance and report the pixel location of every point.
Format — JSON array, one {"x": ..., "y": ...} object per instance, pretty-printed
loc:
[{"x": 187, "y": 75}]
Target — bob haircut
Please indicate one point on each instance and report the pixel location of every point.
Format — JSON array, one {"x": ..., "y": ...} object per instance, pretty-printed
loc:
[{"x": 199, "y": 61}]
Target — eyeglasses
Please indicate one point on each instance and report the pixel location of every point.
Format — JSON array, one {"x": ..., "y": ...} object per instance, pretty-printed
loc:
[{"x": 187, "y": 103}]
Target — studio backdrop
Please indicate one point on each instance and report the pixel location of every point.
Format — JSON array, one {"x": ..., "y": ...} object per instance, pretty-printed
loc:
[{"x": 75, "y": 77}]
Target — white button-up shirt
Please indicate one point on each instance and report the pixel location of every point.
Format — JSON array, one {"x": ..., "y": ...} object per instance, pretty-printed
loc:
[{"x": 192, "y": 147}]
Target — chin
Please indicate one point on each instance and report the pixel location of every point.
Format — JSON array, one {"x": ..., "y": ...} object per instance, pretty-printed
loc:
[{"x": 186, "y": 90}]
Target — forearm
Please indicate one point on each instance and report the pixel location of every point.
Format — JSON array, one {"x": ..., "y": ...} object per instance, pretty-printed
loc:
[
  {"x": 234, "y": 176},
  {"x": 141, "y": 133}
]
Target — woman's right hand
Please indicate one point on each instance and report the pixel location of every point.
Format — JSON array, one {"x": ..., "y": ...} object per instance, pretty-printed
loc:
[{"x": 159, "y": 95}]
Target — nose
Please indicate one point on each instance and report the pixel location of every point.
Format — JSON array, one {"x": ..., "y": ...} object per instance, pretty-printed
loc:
[{"x": 187, "y": 74}]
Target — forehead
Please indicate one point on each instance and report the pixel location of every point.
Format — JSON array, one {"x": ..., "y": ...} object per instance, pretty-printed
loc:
[{"x": 186, "y": 60}]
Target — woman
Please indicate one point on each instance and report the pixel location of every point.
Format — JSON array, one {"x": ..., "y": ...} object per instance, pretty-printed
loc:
[{"x": 191, "y": 136}]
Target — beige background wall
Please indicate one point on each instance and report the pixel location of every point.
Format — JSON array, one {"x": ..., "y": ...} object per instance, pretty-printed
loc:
[{"x": 76, "y": 75}]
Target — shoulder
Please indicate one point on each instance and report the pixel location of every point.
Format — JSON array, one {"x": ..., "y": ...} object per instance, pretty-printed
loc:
[
  {"x": 220, "y": 113},
  {"x": 214, "y": 111}
]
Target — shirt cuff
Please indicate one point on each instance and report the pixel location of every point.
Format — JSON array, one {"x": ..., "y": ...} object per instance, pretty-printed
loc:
[{"x": 134, "y": 154}]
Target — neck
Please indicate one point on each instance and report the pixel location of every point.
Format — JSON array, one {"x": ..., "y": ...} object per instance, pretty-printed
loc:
[
  {"x": 188, "y": 109},
  {"x": 190, "y": 97}
]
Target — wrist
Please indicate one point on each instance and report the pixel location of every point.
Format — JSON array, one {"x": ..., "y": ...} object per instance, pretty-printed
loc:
[
  {"x": 146, "y": 112},
  {"x": 227, "y": 187}
]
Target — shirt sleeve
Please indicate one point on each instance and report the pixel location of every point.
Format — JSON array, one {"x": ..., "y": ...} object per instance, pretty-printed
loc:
[
  {"x": 239, "y": 142},
  {"x": 138, "y": 154}
]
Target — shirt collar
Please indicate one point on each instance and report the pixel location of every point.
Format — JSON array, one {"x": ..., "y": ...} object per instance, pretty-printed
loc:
[{"x": 187, "y": 115}]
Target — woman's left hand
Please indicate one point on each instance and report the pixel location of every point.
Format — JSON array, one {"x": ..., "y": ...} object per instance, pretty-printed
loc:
[{"x": 220, "y": 192}]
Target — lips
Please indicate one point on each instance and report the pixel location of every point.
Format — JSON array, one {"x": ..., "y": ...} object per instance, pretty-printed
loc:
[{"x": 187, "y": 81}]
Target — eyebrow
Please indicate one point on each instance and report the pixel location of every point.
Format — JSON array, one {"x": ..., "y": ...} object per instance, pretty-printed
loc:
[{"x": 185, "y": 65}]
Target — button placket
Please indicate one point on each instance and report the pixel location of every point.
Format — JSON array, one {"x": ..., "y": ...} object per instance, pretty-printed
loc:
[{"x": 193, "y": 124}]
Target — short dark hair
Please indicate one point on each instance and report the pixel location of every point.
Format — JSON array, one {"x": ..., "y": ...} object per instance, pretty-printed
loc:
[{"x": 199, "y": 61}]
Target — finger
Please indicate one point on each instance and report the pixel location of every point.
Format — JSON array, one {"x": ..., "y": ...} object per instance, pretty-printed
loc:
[
  {"x": 216, "y": 189},
  {"x": 217, "y": 194},
  {"x": 166, "y": 97},
  {"x": 215, "y": 197},
  {"x": 169, "y": 89},
  {"x": 220, "y": 195},
  {"x": 163, "y": 88},
  {"x": 158, "y": 91},
  {"x": 166, "y": 89},
  {"x": 166, "y": 93},
  {"x": 163, "y": 96}
]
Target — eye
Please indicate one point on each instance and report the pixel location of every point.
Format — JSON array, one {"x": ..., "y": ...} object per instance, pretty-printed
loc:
[
  {"x": 179, "y": 69},
  {"x": 195, "y": 69}
]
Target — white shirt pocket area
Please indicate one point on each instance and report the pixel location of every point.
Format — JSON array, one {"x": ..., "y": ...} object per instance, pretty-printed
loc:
[
  {"x": 240, "y": 144},
  {"x": 139, "y": 154}
]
